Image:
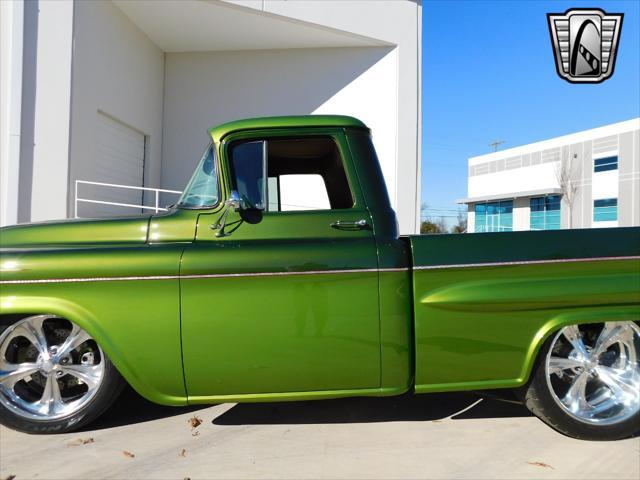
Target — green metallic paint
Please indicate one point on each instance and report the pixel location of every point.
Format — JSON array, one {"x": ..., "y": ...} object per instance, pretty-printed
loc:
[
  {"x": 461, "y": 249},
  {"x": 293, "y": 396},
  {"x": 76, "y": 232},
  {"x": 481, "y": 327},
  {"x": 289, "y": 335},
  {"x": 548, "y": 292},
  {"x": 396, "y": 302},
  {"x": 396, "y": 330},
  {"x": 295, "y": 122},
  {"x": 176, "y": 226},
  {"x": 119, "y": 315},
  {"x": 255, "y": 335}
]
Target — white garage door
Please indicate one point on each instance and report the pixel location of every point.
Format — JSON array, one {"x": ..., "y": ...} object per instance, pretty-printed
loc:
[{"x": 119, "y": 159}]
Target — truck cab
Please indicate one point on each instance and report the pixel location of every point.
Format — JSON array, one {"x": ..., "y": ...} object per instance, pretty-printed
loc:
[{"x": 294, "y": 257}]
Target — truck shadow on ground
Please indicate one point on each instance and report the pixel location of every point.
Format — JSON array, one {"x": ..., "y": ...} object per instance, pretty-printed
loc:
[
  {"x": 428, "y": 407},
  {"x": 130, "y": 409}
]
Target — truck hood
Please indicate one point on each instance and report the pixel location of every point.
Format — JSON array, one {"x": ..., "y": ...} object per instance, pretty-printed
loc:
[{"x": 126, "y": 230}]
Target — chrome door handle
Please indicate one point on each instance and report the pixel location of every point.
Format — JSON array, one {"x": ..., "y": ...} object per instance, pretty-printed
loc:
[{"x": 356, "y": 225}]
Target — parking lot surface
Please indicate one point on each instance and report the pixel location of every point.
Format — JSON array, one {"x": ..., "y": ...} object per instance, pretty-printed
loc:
[{"x": 461, "y": 435}]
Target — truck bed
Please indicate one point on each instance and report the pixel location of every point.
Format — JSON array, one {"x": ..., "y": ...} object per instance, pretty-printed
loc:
[{"x": 485, "y": 303}]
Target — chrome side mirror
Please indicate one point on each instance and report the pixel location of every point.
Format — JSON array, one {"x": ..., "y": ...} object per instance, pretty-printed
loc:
[{"x": 234, "y": 201}]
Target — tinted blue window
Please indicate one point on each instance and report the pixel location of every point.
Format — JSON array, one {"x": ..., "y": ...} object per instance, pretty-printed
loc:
[
  {"x": 545, "y": 213},
  {"x": 605, "y": 210},
  {"x": 481, "y": 214},
  {"x": 537, "y": 204},
  {"x": 494, "y": 216},
  {"x": 604, "y": 164}
]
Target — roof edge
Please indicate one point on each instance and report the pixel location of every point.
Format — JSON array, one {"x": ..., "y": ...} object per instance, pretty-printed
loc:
[
  {"x": 580, "y": 136},
  {"x": 506, "y": 196},
  {"x": 343, "y": 121}
]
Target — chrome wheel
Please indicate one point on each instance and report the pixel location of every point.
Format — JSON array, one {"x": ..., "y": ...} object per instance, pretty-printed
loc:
[
  {"x": 593, "y": 371},
  {"x": 49, "y": 368}
]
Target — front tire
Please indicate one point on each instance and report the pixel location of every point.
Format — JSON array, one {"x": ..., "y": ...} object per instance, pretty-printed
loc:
[
  {"x": 54, "y": 378},
  {"x": 586, "y": 381}
]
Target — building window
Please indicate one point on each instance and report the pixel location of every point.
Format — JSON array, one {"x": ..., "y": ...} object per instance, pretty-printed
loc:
[
  {"x": 494, "y": 217},
  {"x": 605, "y": 210},
  {"x": 604, "y": 164},
  {"x": 545, "y": 213}
]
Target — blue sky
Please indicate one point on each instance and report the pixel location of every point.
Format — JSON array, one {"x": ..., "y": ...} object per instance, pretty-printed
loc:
[{"x": 488, "y": 73}]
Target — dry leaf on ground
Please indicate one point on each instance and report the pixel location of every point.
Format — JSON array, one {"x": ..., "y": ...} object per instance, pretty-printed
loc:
[
  {"x": 80, "y": 441},
  {"x": 128, "y": 454},
  {"x": 195, "y": 421},
  {"x": 541, "y": 464}
]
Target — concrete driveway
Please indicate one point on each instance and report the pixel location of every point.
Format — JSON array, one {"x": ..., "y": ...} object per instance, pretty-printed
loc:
[{"x": 462, "y": 435}]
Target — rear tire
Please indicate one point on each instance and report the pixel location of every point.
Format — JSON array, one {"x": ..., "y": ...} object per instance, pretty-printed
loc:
[
  {"x": 586, "y": 381},
  {"x": 54, "y": 378}
]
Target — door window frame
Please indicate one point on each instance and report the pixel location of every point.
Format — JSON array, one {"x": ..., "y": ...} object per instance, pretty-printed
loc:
[{"x": 335, "y": 135}]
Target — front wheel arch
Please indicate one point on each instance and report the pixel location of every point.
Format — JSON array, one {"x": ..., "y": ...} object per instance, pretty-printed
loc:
[{"x": 16, "y": 307}]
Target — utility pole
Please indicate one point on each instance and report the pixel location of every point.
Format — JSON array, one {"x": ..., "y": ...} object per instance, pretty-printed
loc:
[{"x": 495, "y": 144}]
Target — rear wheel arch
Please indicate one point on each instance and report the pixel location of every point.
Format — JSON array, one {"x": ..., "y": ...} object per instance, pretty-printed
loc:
[
  {"x": 550, "y": 328},
  {"x": 582, "y": 387}
]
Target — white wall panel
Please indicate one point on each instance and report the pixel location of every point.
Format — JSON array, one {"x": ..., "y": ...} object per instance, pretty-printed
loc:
[
  {"x": 534, "y": 177},
  {"x": 521, "y": 214},
  {"x": 52, "y": 110},
  {"x": 118, "y": 159},
  {"x": 371, "y": 98},
  {"x": 605, "y": 184},
  {"x": 117, "y": 70},
  {"x": 204, "y": 89},
  {"x": 11, "y": 35}
]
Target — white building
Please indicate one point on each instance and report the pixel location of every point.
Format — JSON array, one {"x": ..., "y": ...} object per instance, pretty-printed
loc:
[
  {"x": 123, "y": 92},
  {"x": 522, "y": 188}
]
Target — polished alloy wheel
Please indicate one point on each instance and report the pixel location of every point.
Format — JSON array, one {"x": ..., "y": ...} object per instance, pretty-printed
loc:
[
  {"x": 593, "y": 371},
  {"x": 49, "y": 368}
]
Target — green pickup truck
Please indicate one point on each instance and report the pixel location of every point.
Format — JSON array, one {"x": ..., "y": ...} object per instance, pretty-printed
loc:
[{"x": 280, "y": 275}]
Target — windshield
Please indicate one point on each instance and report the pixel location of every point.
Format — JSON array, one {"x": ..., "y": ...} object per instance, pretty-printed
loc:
[{"x": 202, "y": 190}]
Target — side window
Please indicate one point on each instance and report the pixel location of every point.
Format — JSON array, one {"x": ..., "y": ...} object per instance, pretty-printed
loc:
[
  {"x": 202, "y": 190},
  {"x": 291, "y": 174},
  {"x": 299, "y": 192},
  {"x": 248, "y": 167}
]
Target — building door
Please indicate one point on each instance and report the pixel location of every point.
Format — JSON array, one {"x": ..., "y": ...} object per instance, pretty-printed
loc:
[{"x": 119, "y": 160}]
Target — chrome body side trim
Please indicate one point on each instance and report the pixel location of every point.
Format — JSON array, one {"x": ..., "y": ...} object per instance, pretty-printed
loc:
[
  {"x": 196, "y": 276},
  {"x": 310, "y": 272},
  {"x": 524, "y": 262}
]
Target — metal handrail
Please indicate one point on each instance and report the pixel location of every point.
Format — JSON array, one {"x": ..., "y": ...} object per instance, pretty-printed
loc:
[{"x": 157, "y": 208}]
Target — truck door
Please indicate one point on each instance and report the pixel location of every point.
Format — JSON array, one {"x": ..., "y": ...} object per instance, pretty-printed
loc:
[{"x": 284, "y": 299}]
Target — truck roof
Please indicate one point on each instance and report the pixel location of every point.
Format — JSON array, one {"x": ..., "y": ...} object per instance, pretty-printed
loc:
[{"x": 219, "y": 131}]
